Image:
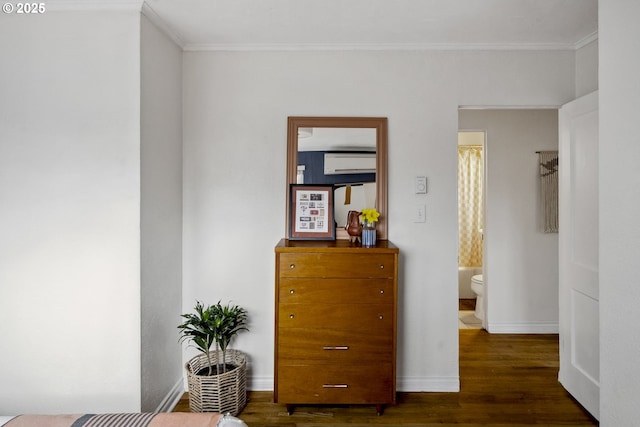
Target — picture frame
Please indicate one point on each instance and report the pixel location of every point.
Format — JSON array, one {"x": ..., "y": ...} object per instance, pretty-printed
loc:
[{"x": 311, "y": 212}]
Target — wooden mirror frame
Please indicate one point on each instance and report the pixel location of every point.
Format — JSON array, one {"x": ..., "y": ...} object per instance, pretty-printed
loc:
[{"x": 378, "y": 123}]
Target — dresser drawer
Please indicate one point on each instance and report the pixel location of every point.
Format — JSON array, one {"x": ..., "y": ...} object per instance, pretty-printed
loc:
[
  {"x": 353, "y": 265},
  {"x": 364, "y": 383},
  {"x": 367, "y": 319},
  {"x": 323, "y": 291},
  {"x": 323, "y": 346}
]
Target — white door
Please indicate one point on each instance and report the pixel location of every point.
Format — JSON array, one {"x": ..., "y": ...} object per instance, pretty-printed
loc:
[{"x": 578, "y": 252}]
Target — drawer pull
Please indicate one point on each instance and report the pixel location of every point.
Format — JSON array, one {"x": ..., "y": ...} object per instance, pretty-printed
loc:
[
  {"x": 291, "y": 316},
  {"x": 382, "y": 291},
  {"x": 335, "y": 347},
  {"x": 381, "y": 317},
  {"x": 292, "y": 266},
  {"x": 291, "y": 291},
  {"x": 381, "y": 266},
  {"x": 335, "y": 386}
]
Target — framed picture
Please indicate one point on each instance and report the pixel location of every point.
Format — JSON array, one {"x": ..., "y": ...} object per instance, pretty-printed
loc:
[{"x": 311, "y": 216}]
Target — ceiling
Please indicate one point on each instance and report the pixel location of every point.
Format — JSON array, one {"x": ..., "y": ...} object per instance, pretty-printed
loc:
[{"x": 376, "y": 24}]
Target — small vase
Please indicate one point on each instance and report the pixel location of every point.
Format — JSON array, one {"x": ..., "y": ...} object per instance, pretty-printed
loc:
[
  {"x": 353, "y": 227},
  {"x": 368, "y": 234}
]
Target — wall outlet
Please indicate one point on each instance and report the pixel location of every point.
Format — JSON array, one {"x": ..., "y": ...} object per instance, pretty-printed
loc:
[{"x": 420, "y": 213}]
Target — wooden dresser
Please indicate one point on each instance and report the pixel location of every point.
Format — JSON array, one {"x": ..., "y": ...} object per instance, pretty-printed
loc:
[{"x": 335, "y": 318}]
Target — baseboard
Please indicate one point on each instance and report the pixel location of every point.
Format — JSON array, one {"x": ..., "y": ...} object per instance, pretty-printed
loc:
[
  {"x": 433, "y": 384},
  {"x": 523, "y": 328},
  {"x": 171, "y": 399},
  {"x": 260, "y": 384}
]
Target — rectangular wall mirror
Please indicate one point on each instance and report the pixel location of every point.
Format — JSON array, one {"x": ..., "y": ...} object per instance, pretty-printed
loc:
[{"x": 347, "y": 152}]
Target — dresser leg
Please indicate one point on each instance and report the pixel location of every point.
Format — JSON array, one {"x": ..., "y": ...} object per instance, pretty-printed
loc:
[
  {"x": 379, "y": 409},
  {"x": 289, "y": 409}
]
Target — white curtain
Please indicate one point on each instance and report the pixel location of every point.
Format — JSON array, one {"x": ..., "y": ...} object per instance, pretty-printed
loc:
[{"x": 470, "y": 199}]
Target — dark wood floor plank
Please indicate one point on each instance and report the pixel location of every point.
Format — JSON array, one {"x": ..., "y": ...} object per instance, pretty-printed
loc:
[{"x": 505, "y": 380}]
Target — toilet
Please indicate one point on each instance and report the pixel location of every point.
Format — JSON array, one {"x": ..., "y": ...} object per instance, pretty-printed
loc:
[{"x": 477, "y": 286}]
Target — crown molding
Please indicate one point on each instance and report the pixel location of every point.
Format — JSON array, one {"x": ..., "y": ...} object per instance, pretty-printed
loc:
[
  {"x": 509, "y": 107},
  {"x": 93, "y": 5},
  {"x": 585, "y": 41},
  {"x": 162, "y": 25},
  {"x": 286, "y": 47}
]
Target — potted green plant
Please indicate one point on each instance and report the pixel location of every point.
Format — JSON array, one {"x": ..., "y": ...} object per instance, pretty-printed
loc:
[
  {"x": 228, "y": 321},
  {"x": 216, "y": 378}
]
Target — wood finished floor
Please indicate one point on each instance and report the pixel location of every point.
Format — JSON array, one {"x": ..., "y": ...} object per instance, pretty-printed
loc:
[{"x": 505, "y": 380}]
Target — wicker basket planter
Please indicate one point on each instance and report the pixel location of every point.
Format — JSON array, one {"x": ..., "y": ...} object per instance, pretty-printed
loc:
[{"x": 223, "y": 393}]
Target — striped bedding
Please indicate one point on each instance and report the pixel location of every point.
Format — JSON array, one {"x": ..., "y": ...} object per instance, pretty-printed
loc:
[{"x": 174, "y": 419}]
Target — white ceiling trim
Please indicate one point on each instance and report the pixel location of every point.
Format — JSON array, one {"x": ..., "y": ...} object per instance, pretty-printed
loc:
[
  {"x": 379, "y": 47},
  {"x": 509, "y": 107},
  {"x": 585, "y": 41},
  {"x": 162, "y": 25}
]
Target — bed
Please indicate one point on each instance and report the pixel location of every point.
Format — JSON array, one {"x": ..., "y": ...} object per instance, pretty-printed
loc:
[{"x": 172, "y": 419}]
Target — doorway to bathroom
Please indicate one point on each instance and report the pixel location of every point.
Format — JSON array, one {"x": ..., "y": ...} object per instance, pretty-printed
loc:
[
  {"x": 519, "y": 259},
  {"x": 471, "y": 148}
]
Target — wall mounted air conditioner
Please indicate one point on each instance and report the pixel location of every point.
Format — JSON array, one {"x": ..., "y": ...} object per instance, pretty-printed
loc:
[{"x": 348, "y": 163}]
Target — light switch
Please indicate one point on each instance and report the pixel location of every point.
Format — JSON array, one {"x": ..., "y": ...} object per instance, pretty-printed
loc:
[
  {"x": 420, "y": 213},
  {"x": 421, "y": 185}
]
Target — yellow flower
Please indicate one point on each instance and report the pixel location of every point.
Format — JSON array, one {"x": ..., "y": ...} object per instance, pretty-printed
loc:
[{"x": 369, "y": 215}]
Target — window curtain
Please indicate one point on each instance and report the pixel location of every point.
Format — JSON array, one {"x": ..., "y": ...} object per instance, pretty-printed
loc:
[{"x": 470, "y": 199}]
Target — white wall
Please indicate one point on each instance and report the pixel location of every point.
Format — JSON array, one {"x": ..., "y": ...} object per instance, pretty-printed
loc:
[
  {"x": 235, "y": 110},
  {"x": 161, "y": 217},
  {"x": 587, "y": 69},
  {"x": 619, "y": 212},
  {"x": 521, "y": 263},
  {"x": 70, "y": 212}
]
